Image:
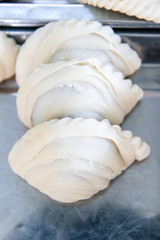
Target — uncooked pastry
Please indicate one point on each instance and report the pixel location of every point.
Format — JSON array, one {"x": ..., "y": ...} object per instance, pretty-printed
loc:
[
  {"x": 144, "y": 9},
  {"x": 75, "y": 38},
  {"x": 76, "y": 89},
  {"x": 70, "y": 160},
  {"x": 8, "y": 53}
]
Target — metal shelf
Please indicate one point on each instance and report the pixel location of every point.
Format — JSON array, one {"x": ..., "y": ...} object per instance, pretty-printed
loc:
[{"x": 38, "y": 14}]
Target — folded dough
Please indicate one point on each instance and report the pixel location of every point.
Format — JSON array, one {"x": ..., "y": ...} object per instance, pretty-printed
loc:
[
  {"x": 8, "y": 53},
  {"x": 75, "y": 38},
  {"x": 76, "y": 89},
  {"x": 72, "y": 159},
  {"x": 144, "y": 9}
]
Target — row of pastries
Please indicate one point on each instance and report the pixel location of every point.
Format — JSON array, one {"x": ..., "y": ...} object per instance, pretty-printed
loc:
[{"x": 72, "y": 88}]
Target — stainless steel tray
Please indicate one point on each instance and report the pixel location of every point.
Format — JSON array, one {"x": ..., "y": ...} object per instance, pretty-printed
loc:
[
  {"x": 37, "y": 13},
  {"x": 128, "y": 210}
]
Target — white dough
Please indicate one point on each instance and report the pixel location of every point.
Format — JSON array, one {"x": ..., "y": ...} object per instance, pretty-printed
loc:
[
  {"x": 144, "y": 9},
  {"x": 75, "y": 38},
  {"x": 76, "y": 88},
  {"x": 8, "y": 54},
  {"x": 72, "y": 159}
]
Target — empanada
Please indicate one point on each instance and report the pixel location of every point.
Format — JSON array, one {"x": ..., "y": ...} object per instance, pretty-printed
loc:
[
  {"x": 75, "y": 38},
  {"x": 144, "y": 9},
  {"x": 70, "y": 160},
  {"x": 76, "y": 89},
  {"x": 8, "y": 53}
]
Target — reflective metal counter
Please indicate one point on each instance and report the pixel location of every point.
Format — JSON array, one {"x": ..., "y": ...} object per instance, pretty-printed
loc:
[{"x": 128, "y": 210}]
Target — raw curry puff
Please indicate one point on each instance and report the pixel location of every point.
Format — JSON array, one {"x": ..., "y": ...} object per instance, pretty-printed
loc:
[
  {"x": 69, "y": 39},
  {"x": 72, "y": 159},
  {"x": 8, "y": 54},
  {"x": 144, "y": 9},
  {"x": 76, "y": 89}
]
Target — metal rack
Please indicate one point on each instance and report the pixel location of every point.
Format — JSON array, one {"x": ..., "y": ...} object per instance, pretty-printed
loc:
[{"x": 130, "y": 207}]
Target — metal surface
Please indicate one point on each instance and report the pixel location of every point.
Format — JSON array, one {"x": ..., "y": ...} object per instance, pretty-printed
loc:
[
  {"x": 128, "y": 210},
  {"x": 30, "y": 14}
]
